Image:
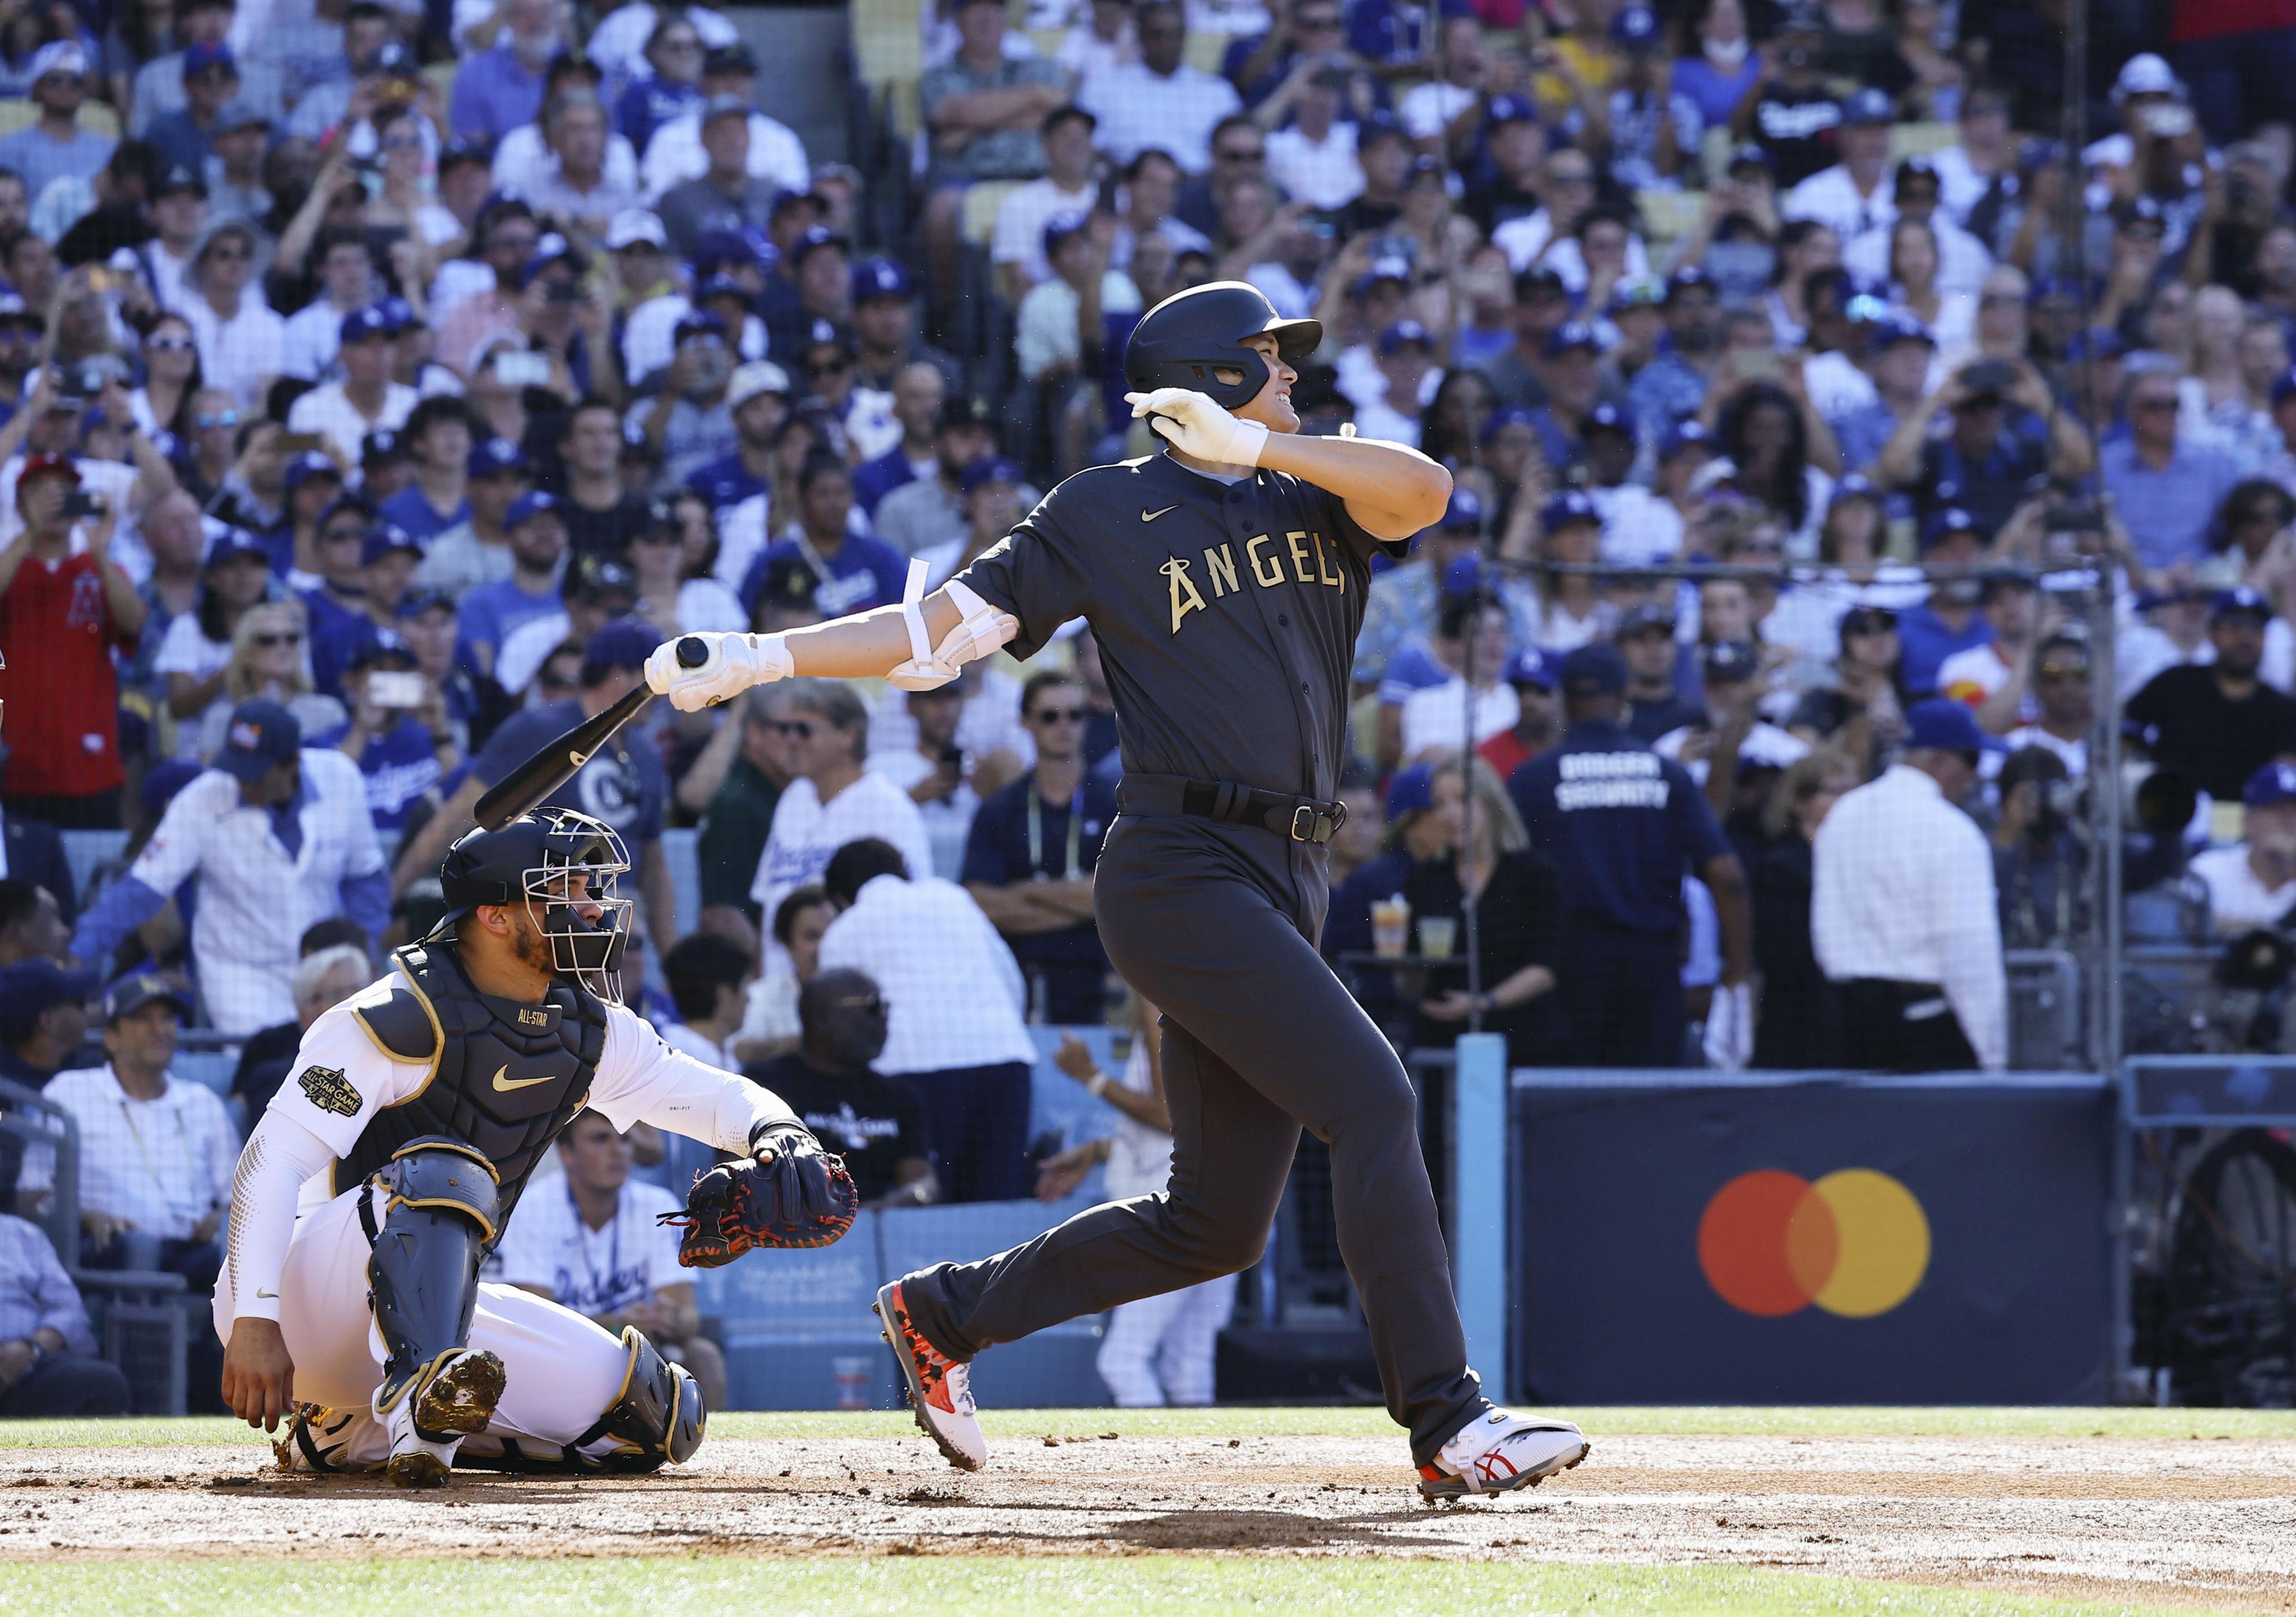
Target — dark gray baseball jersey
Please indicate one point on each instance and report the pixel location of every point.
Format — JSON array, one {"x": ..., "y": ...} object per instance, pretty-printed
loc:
[{"x": 1226, "y": 617}]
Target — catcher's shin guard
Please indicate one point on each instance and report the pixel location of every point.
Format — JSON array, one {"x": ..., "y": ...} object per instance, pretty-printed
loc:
[
  {"x": 438, "y": 1217},
  {"x": 655, "y": 1420}
]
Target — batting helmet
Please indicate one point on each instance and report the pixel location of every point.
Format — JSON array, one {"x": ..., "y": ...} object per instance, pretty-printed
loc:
[{"x": 1176, "y": 343}]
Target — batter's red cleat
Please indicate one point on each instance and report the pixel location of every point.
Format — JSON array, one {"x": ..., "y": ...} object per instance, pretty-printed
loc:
[
  {"x": 1500, "y": 1450},
  {"x": 937, "y": 1389}
]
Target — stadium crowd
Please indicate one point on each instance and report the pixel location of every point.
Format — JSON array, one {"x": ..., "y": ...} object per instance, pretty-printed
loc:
[{"x": 381, "y": 383}]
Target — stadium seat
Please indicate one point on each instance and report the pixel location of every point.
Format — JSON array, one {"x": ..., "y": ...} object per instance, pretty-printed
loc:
[
  {"x": 1668, "y": 216},
  {"x": 980, "y": 204},
  {"x": 1919, "y": 140},
  {"x": 887, "y": 46},
  {"x": 95, "y": 117}
]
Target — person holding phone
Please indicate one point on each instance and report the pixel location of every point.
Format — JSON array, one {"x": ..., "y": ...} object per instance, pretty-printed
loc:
[{"x": 392, "y": 734}]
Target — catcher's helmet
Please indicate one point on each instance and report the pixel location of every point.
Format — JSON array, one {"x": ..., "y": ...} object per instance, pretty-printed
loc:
[
  {"x": 549, "y": 856},
  {"x": 1176, "y": 343}
]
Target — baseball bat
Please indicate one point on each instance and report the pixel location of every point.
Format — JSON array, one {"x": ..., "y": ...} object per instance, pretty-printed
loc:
[{"x": 525, "y": 786}]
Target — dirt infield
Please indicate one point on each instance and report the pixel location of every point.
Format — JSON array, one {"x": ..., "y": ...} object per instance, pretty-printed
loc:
[{"x": 2197, "y": 1522}]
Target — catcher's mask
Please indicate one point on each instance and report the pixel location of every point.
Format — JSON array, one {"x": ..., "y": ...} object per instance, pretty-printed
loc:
[{"x": 566, "y": 865}]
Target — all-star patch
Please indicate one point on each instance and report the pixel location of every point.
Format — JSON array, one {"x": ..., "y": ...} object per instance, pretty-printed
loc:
[{"x": 330, "y": 1091}]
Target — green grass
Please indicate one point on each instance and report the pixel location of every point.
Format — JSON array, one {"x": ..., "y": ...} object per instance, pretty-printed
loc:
[
  {"x": 1292, "y": 1422},
  {"x": 980, "y": 1586}
]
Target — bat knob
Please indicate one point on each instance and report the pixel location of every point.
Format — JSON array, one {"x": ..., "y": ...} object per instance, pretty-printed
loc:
[{"x": 692, "y": 652}]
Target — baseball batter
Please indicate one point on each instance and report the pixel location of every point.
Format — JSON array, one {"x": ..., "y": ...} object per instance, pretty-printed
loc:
[
  {"x": 1225, "y": 581},
  {"x": 383, "y": 1172}
]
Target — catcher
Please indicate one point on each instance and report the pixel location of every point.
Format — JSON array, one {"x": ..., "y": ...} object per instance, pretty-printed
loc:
[{"x": 350, "y": 1304}]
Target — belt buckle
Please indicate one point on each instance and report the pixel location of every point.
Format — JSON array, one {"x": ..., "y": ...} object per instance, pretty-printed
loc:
[{"x": 1310, "y": 825}]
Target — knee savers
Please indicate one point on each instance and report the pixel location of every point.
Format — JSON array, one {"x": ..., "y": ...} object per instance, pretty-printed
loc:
[
  {"x": 441, "y": 1204},
  {"x": 655, "y": 1420}
]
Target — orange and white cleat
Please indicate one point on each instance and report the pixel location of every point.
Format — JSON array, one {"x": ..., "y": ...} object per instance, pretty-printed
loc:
[
  {"x": 1500, "y": 1450},
  {"x": 938, "y": 1389}
]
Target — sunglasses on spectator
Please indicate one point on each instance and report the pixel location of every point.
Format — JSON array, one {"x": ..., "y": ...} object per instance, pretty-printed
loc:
[
  {"x": 519, "y": 243},
  {"x": 237, "y": 255},
  {"x": 167, "y": 345},
  {"x": 836, "y": 367},
  {"x": 2277, "y": 515},
  {"x": 2153, "y": 406},
  {"x": 800, "y": 729},
  {"x": 273, "y": 641},
  {"x": 2063, "y": 670},
  {"x": 1869, "y": 623},
  {"x": 220, "y": 418},
  {"x": 343, "y": 535},
  {"x": 1241, "y": 155},
  {"x": 1059, "y": 716}
]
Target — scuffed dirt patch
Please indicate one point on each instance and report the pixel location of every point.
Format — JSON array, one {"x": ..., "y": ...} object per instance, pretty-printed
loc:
[{"x": 2197, "y": 1522}]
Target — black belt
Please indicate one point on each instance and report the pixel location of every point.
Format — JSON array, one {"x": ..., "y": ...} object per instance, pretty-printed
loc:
[
  {"x": 1927, "y": 999},
  {"x": 1302, "y": 819}
]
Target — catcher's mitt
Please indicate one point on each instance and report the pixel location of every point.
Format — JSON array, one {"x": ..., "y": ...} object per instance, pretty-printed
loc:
[{"x": 799, "y": 1196}]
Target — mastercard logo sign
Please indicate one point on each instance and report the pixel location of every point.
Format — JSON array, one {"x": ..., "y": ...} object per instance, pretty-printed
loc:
[{"x": 1854, "y": 1243}]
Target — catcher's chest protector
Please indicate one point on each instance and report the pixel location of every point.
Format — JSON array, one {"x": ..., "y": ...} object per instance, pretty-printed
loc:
[{"x": 505, "y": 1077}]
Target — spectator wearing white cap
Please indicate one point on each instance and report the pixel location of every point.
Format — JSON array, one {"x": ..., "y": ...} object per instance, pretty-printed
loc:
[
  {"x": 675, "y": 152},
  {"x": 2253, "y": 883},
  {"x": 725, "y": 195},
  {"x": 2145, "y": 82},
  {"x": 55, "y": 146},
  {"x": 365, "y": 398}
]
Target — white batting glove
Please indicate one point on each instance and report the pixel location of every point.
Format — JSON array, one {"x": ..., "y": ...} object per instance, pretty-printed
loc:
[
  {"x": 1192, "y": 423},
  {"x": 735, "y": 663}
]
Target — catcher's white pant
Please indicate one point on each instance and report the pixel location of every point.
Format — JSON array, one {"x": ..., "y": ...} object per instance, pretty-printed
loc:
[
  {"x": 1158, "y": 1350},
  {"x": 560, "y": 1370}
]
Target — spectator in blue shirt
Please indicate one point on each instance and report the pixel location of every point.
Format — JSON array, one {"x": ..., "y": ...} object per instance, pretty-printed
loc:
[
  {"x": 537, "y": 545},
  {"x": 338, "y": 606},
  {"x": 758, "y": 398},
  {"x": 385, "y": 735},
  {"x": 438, "y": 436},
  {"x": 1948, "y": 621},
  {"x": 183, "y": 138},
  {"x": 673, "y": 52},
  {"x": 1029, "y": 858},
  {"x": 48, "y": 1364},
  {"x": 311, "y": 484},
  {"x": 2166, "y": 487},
  {"x": 498, "y": 90},
  {"x": 624, "y": 782},
  {"x": 918, "y": 392},
  {"x": 857, "y": 571}
]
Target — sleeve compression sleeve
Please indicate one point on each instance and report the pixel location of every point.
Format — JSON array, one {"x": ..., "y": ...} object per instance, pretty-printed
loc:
[{"x": 280, "y": 1156}]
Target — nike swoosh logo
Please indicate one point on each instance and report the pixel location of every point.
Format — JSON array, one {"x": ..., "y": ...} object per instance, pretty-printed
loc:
[
  {"x": 1149, "y": 516},
  {"x": 261, "y": 1292},
  {"x": 504, "y": 1087}
]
